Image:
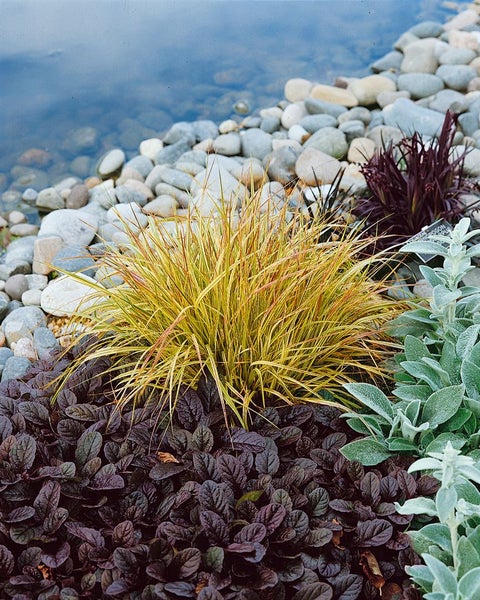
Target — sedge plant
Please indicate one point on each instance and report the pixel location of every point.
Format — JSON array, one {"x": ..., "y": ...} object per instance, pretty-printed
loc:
[{"x": 252, "y": 300}]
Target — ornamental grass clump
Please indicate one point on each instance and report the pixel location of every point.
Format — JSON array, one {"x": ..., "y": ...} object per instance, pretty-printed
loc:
[{"x": 251, "y": 300}]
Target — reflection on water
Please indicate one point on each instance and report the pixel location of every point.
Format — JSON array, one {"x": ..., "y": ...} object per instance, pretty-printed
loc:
[{"x": 127, "y": 69}]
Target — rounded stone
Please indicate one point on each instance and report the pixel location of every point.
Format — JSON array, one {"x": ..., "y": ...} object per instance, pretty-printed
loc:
[
  {"x": 420, "y": 85},
  {"x": 75, "y": 259},
  {"x": 15, "y": 368},
  {"x": 314, "y": 166},
  {"x": 142, "y": 164},
  {"x": 390, "y": 62},
  {"x": 111, "y": 163},
  {"x": 297, "y": 89},
  {"x": 457, "y": 56},
  {"x": 448, "y": 100},
  {"x": 31, "y": 316},
  {"x": 329, "y": 140},
  {"x": 410, "y": 117},
  {"x": 228, "y": 144},
  {"x": 427, "y": 29},
  {"x": 31, "y": 297},
  {"x": 108, "y": 277},
  {"x": 65, "y": 296},
  {"x": 45, "y": 342},
  {"x": 333, "y": 95},
  {"x": 352, "y": 129},
  {"x": 419, "y": 56},
  {"x": 16, "y": 285},
  {"x": 150, "y": 147},
  {"x": 456, "y": 77},
  {"x": 49, "y": 199},
  {"x": 78, "y": 196},
  {"x": 24, "y": 348},
  {"x": 24, "y": 229},
  {"x": 361, "y": 150},
  {"x": 72, "y": 226},
  {"x": 127, "y": 216},
  {"x": 293, "y": 114},
  {"x": 14, "y": 331},
  {"x": 312, "y": 123},
  {"x": 366, "y": 89},
  {"x": 162, "y": 206},
  {"x": 255, "y": 143}
]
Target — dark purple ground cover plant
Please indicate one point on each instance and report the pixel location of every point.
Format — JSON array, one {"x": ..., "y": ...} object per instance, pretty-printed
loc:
[
  {"x": 411, "y": 185},
  {"x": 95, "y": 504}
]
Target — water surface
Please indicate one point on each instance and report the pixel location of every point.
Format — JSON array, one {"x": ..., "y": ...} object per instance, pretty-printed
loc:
[{"x": 128, "y": 69}]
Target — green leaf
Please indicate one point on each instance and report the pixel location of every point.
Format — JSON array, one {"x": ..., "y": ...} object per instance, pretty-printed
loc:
[
  {"x": 400, "y": 445},
  {"x": 415, "y": 349},
  {"x": 366, "y": 451},
  {"x": 469, "y": 585},
  {"x": 433, "y": 533},
  {"x": 445, "y": 501},
  {"x": 473, "y": 405},
  {"x": 466, "y": 340},
  {"x": 457, "y": 420},
  {"x": 443, "y": 576},
  {"x": 421, "y": 575},
  {"x": 371, "y": 396},
  {"x": 417, "y": 506},
  {"x": 413, "y": 392},
  {"x": 468, "y": 556},
  {"x": 421, "y": 248},
  {"x": 442, "y": 405},
  {"x": 439, "y": 443},
  {"x": 470, "y": 374},
  {"x": 424, "y": 373}
]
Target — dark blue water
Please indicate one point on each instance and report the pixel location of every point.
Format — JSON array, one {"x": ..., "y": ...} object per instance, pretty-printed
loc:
[{"x": 128, "y": 69}]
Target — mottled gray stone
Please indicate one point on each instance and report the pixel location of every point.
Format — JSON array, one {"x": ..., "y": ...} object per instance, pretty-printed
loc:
[
  {"x": 427, "y": 29},
  {"x": 410, "y": 117},
  {"x": 32, "y": 316},
  {"x": 448, "y": 100},
  {"x": 169, "y": 154},
  {"x": 315, "y": 107},
  {"x": 420, "y": 85},
  {"x": 456, "y": 77},
  {"x": 16, "y": 285},
  {"x": 469, "y": 123},
  {"x": 256, "y": 143},
  {"x": 45, "y": 342},
  {"x": 75, "y": 259},
  {"x": 15, "y": 368},
  {"x": 125, "y": 195},
  {"x": 180, "y": 132},
  {"x": 228, "y": 144},
  {"x": 457, "y": 56},
  {"x": 141, "y": 164},
  {"x": 20, "y": 250},
  {"x": 312, "y": 123},
  {"x": 280, "y": 164},
  {"x": 329, "y": 140},
  {"x": 73, "y": 226},
  {"x": 178, "y": 179},
  {"x": 204, "y": 129},
  {"x": 391, "y": 61},
  {"x": 352, "y": 129},
  {"x": 269, "y": 124}
]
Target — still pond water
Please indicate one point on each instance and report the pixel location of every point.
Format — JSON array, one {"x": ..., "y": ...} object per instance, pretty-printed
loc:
[{"x": 127, "y": 69}]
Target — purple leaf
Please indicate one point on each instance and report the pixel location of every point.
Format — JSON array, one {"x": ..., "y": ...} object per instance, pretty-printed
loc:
[
  {"x": 186, "y": 562},
  {"x": 202, "y": 439},
  {"x": 54, "y": 560},
  {"x": 253, "y": 532},
  {"x": 22, "y": 453},
  {"x": 267, "y": 462},
  {"x": 7, "y": 562},
  {"x": 189, "y": 409},
  {"x": 124, "y": 534},
  {"x": 232, "y": 471},
  {"x": 205, "y": 466},
  {"x": 107, "y": 479},
  {"x": 272, "y": 516},
  {"x": 22, "y": 513},
  {"x": 347, "y": 587},
  {"x": 375, "y": 532},
  {"x": 314, "y": 591},
  {"x": 125, "y": 560},
  {"x": 215, "y": 528},
  {"x": 165, "y": 470},
  {"x": 47, "y": 499},
  {"x": 245, "y": 440}
]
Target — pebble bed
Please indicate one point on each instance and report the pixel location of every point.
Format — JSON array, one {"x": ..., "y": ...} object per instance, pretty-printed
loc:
[{"x": 307, "y": 138}]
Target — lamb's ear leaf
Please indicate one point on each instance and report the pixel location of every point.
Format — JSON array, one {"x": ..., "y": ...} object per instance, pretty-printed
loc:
[
  {"x": 366, "y": 451},
  {"x": 468, "y": 556},
  {"x": 445, "y": 579},
  {"x": 373, "y": 398}
]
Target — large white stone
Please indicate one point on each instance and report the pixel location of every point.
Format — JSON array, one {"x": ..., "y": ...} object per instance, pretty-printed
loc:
[
  {"x": 72, "y": 226},
  {"x": 315, "y": 167},
  {"x": 66, "y": 295},
  {"x": 215, "y": 185}
]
